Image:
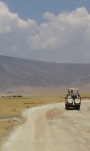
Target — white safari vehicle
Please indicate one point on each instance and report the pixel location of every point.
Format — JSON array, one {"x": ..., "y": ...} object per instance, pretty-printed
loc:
[{"x": 73, "y": 99}]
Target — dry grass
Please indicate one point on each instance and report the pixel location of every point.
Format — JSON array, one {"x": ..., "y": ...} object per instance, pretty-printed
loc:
[
  {"x": 85, "y": 95},
  {"x": 13, "y": 107},
  {"x": 5, "y": 128}
]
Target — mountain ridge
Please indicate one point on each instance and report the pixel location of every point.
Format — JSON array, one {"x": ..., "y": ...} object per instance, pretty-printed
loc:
[{"x": 19, "y": 72}]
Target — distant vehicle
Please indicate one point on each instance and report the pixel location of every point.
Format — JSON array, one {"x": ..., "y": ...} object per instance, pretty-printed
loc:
[{"x": 73, "y": 99}]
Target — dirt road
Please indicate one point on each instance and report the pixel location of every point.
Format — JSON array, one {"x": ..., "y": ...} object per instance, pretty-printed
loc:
[{"x": 52, "y": 128}]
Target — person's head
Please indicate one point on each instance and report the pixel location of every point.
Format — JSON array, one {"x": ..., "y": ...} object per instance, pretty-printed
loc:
[{"x": 71, "y": 91}]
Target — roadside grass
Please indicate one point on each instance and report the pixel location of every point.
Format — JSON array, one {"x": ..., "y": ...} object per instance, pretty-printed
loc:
[
  {"x": 5, "y": 129},
  {"x": 85, "y": 95},
  {"x": 13, "y": 107}
]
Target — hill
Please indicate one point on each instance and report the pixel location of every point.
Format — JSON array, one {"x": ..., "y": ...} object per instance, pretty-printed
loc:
[{"x": 17, "y": 73}]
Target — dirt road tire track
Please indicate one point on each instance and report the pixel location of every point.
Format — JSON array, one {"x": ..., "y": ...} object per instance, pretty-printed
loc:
[{"x": 52, "y": 128}]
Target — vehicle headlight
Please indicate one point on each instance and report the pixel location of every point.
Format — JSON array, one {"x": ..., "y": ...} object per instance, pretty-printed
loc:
[
  {"x": 70, "y": 100},
  {"x": 77, "y": 101}
]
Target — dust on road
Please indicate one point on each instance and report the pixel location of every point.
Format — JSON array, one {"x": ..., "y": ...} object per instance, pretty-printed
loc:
[{"x": 52, "y": 128}]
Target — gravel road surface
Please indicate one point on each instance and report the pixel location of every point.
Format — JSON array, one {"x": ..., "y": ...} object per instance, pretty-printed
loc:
[{"x": 52, "y": 128}]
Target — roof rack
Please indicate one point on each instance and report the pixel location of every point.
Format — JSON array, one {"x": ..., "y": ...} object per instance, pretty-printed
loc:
[{"x": 73, "y": 89}]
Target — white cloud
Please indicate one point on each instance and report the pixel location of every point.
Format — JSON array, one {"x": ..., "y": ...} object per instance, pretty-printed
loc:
[
  {"x": 64, "y": 37},
  {"x": 11, "y": 22},
  {"x": 68, "y": 34}
]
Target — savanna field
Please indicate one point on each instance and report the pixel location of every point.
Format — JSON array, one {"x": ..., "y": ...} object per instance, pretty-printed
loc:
[{"x": 11, "y": 110}]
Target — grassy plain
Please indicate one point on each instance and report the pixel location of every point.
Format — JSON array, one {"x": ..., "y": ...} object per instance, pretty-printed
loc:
[{"x": 11, "y": 108}]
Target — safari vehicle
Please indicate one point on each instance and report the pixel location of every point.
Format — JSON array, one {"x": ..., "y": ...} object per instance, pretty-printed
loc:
[{"x": 73, "y": 99}]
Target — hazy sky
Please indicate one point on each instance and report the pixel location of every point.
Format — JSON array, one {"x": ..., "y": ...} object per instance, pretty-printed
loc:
[{"x": 48, "y": 30}]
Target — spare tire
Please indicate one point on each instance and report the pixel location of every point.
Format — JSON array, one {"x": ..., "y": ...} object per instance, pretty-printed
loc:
[
  {"x": 77, "y": 101},
  {"x": 70, "y": 101}
]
